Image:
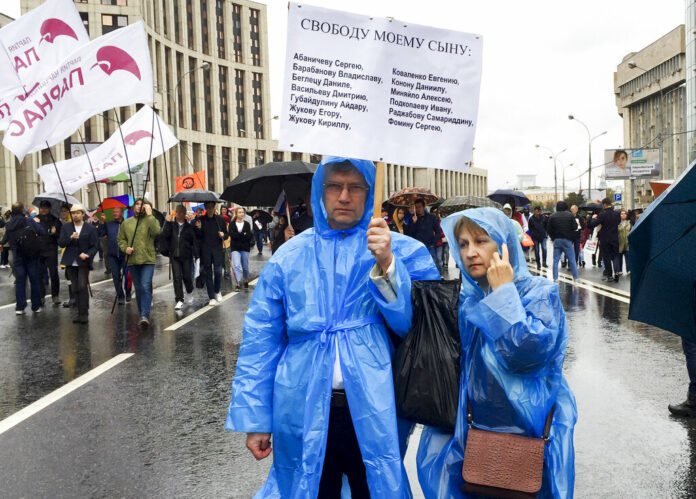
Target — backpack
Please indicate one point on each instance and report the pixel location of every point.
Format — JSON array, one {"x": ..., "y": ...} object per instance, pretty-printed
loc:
[{"x": 28, "y": 242}]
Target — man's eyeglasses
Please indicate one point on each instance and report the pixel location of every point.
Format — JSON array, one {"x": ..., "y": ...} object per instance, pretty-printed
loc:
[{"x": 335, "y": 189}]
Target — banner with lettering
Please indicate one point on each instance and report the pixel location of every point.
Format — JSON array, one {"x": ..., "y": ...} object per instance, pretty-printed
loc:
[
  {"x": 109, "y": 158},
  {"x": 35, "y": 43},
  {"x": 113, "y": 70},
  {"x": 379, "y": 89}
]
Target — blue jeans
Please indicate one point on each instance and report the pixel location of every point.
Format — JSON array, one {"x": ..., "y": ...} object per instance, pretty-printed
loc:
[
  {"x": 117, "y": 265},
  {"x": 436, "y": 257},
  {"x": 23, "y": 268},
  {"x": 259, "y": 240},
  {"x": 564, "y": 246},
  {"x": 540, "y": 247},
  {"x": 690, "y": 354},
  {"x": 142, "y": 282},
  {"x": 240, "y": 263}
]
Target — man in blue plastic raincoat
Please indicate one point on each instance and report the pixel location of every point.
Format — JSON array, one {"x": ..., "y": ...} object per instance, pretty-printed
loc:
[
  {"x": 514, "y": 336},
  {"x": 314, "y": 367}
]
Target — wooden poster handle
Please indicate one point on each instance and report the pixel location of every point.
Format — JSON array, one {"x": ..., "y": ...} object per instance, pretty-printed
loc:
[{"x": 379, "y": 189}]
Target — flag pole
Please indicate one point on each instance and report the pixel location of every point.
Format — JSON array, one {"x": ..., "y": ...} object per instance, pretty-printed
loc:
[
  {"x": 96, "y": 185},
  {"x": 379, "y": 189}
]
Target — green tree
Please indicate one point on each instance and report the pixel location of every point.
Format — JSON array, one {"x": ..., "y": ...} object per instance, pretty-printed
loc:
[
  {"x": 610, "y": 194},
  {"x": 574, "y": 198},
  {"x": 550, "y": 205}
]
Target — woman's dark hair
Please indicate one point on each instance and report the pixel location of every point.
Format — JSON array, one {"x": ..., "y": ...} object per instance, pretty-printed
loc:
[{"x": 618, "y": 153}]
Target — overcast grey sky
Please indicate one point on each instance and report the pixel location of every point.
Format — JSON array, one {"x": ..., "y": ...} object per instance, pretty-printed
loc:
[{"x": 542, "y": 60}]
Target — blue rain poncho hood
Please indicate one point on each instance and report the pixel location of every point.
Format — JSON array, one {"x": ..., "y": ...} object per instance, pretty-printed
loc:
[
  {"x": 513, "y": 348},
  {"x": 315, "y": 304}
]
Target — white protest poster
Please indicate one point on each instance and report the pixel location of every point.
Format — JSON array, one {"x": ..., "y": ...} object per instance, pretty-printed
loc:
[
  {"x": 112, "y": 71},
  {"x": 33, "y": 44},
  {"x": 109, "y": 158},
  {"x": 379, "y": 89}
]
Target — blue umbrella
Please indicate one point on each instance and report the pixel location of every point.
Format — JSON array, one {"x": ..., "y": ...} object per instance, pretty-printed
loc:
[{"x": 663, "y": 270}]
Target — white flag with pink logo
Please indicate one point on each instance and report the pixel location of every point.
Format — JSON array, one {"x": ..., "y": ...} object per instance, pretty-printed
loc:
[
  {"x": 112, "y": 71},
  {"x": 33, "y": 44},
  {"x": 140, "y": 134}
]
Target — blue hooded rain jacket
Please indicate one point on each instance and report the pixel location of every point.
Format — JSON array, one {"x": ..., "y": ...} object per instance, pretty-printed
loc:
[
  {"x": 313, "y": 294},
  {"x": 513, "y": 347}
]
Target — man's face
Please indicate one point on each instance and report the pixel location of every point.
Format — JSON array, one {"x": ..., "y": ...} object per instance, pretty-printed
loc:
[
  {"x": 65, "y": 212},
  {"x": 118, "y": 213},
  {"x": 210, "y": 209},
  {"x": 44, "y": 210},
  {"x": 537, "y": 212},
  {"x": 420, "y": 209},
  {"x": 77, "y": 216},
  {"x": 345, "y": 194},
  {"x": 574, "y": 210},
  {"x": 180, "y": 213}
]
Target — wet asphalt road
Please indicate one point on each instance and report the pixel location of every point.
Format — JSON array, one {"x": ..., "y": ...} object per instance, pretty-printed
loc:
[{"x": 152, "y": 426}]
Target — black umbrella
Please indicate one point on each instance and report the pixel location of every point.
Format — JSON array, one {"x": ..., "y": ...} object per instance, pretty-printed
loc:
[
  {"x": 261, "y": 186},
  {"x": 589, "y": 206},
  {"x": 264, "y": 216},
  {"x": 195, "y": 196},
  {"x": 503, "y": 196},
  {"x": 57, "y": 199}
]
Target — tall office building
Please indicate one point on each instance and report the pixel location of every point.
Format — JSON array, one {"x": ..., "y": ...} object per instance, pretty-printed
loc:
[{"x": 211, "y": 76}]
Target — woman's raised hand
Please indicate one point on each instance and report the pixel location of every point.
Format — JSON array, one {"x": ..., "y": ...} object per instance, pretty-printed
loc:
[{"x": 500, "y": 271}]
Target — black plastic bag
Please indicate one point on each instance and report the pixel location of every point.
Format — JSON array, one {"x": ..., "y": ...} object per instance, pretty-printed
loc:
[{"x": 426, "y": 365}]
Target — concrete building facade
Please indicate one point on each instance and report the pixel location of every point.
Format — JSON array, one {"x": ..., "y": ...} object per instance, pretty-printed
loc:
[
  {"x": 651, "y": 97},
  {"x": 212, "y": 86}
]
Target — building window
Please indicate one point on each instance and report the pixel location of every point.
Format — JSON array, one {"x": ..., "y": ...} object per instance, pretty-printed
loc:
[
  {"x": 197, "y": 166},
  {"x": 189, "y": 23},
  {"x": 260, "y": 157},
  {"x": 277, "y": 156},
  {"x": 210, "y": 156},
  {"x": 80, "y": 1},
  {"x": 295, "y": 156},
  {"x": 155, "y": 15},
  {"x": 177, "y": 31},
  {"x": 224, "y": 108},
  {"x": 220, "y": 24},
  {"x": 204, "y": 27},
  {"x": 113, "y": 22},
  {"x": 192, "y": 81},
  {"x": 85, "y": 20},
  {"x": 168, "y": 76},
  {"x": 208, "y": 91},
  {"x": 107, "y": 125},
  {"x": 316, "y": 158},
  {"x": 237, "y": 32},
  {"x": 121, "y": 3},
  {"x": 165, "y": 24},
  {"x": 257, "y": 88},
  {"x": 179, "y": 88},
  {"x": 239, "y": 97},
  {"x": 255, "y": 37},
  {"x": 226, "y": 166},
  {"x": 242, "y": 155}
]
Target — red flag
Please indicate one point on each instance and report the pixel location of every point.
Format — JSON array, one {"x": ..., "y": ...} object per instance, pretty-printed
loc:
[{"x": 194, "y": 181}]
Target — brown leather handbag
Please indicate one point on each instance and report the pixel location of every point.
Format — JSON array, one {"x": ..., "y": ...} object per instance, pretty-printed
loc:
[{"x": 504, "y": 465}]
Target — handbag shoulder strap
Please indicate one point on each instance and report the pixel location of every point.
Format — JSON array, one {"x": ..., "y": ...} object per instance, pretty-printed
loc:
[{"x": 547, "y": 424}]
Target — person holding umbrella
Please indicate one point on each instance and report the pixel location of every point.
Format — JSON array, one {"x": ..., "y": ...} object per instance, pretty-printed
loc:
[
  {"x": 116, "y": 257},
  {"x": 242, "y": 239},
  {"x": 211, "y": 231},
  {"x": 81, "y": 243}
]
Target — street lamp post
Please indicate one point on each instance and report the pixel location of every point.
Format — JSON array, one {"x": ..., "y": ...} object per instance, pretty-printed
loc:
[
  {"x": 563, "y": 168},
  {"x": 590, "y": 138},
  {"x": 555, "y": 173},
  {"x": 205, "y": 65}
]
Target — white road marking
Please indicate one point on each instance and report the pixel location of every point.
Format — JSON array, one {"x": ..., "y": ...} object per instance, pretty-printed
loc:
[
  {"x": 600, "y": 289},
  {"x": 3, "y": 307},
  {"x": 203, "y": 310},
  {"x": 61, "y": 392}
]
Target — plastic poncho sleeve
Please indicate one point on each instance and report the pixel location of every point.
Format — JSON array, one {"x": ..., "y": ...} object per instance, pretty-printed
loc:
[
  {"x": 397, "y": 313},
  {"x": 265, "y": 339},
  {"x": 523, "y": 336}
]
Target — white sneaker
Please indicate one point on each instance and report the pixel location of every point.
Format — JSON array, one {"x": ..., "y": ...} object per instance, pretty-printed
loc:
[
  {"x": 179, "y": 305},
  {"x": 189, "y": 299},
  {"x": 212, "y": 302},
  {"x": 218, "y": 297},
  {"x": 38, "y": 310},
  {"x": 19, "y": 312}
]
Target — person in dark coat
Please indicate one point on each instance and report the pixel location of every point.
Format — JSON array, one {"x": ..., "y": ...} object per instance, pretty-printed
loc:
[
  {"x": 81, "y": 243},
  {"x": 561, "y": 229},
  {"x": 259, "y": 227},
  {"x": 116, "y": 257},
  {"x": 181, "y": 241},
  {"x": 425, "y": 228},
  {"x": 25, "y": 265},
  {"x": 211, "y": 230},
  {"x": 49, "y": 253},
  {"x": 537, "y": 231},
  {"x": 241, "y": 241},
  {"x": 278, "y": 233},
  {"x": 609, "y": 219}
]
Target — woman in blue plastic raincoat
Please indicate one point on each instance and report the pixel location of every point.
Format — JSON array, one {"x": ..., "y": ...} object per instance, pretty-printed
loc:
[
  {"x": 513, "y": 346},
  {"x": 315, "y": 302}
]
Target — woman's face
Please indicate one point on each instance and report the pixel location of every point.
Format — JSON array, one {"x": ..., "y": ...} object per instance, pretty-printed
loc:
[
  {"x": 621, "y": 161},
  {"x": 624, "y": 216},
  {"x": 477, "y": 252},
  {"x": 240, "y": 214},
  {"x": 400, "y": 215}
]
